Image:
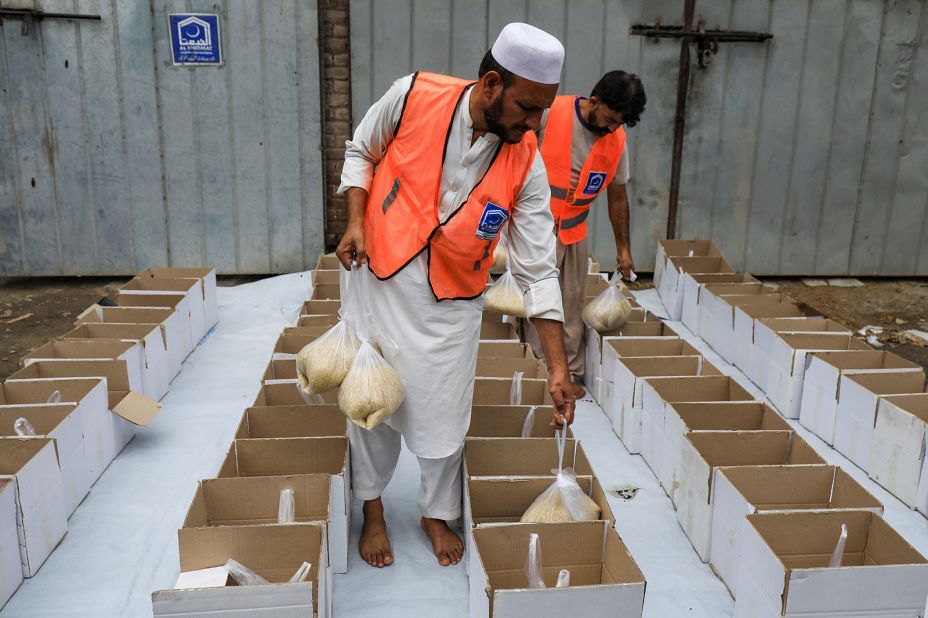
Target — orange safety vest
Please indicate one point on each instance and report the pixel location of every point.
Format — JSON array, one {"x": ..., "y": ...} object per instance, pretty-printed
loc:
[
  {"x": 570, "y": 205},
  {"x": 401, "y": 220}
]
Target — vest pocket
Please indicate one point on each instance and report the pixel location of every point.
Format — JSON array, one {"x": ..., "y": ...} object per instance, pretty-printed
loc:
[{"x": 391, "y": 196}]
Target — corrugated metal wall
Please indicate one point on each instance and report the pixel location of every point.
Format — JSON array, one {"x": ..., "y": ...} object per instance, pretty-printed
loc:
[
  {"x": 804, "y": 155},
  {"x": 112, "y": 160}
]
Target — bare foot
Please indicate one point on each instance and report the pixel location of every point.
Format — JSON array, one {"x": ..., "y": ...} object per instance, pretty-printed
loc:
[
  {"x": 447, "y": 545},
  {"x": 374, "y": 544}
]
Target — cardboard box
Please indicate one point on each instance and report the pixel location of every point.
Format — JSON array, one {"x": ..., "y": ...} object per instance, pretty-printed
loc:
[
  {"x": 670, "y": 289},
  {"x": 11, "y": 569},
  {"x": 328, "y": 261},
  {"x": 128, "y": 408},
  {"x": 784, "y": 567},
  {"x": 897, "y": 453},
  {"x": 593, "y": 371},
  {"x": 273, "y": 551},
  {"x": 156, "y": 291},
  {"x": 858, "y": 399},
  {"x": 772, "y": 306},
  {"x": 692, "y": 287},
  {"x": 41, "y": 518},
  {"x": 647, "y": 329},
  {"x": 280, "y": 367},
  {"x": 490, "y": 367},
  {"x": 717, "y": 303},
  {"x": 657, "y": 393},
  {"x": 287, "y": 456},
  {"x": 288, "y": 393},
  {"x": 62, "y": 423},
  {"x": 321, "y": 307},
  {"x": 503, "y": 501},
  {"x": 325, "y": 276},
  {"x": 704, "y": 451},
  {"x": 604, "y": 579},
  {"x": 741, "y": 491},
  {"x": 306, "y": 421},
  {"x": 318, "y": 320},
  {"x": 681, "y": 247},
  {"x": 504, "y": 349},
  {"x": 249, "y": 501},
  {"x": 89, "y": 398},
  {"x": 497, "y": 330},
  {"x": 156, "y": 368},
  {"x": 520, "y": 457},
  {"x": 617, "y": 347},
  {"x": 508, "y": 422},
  {"x": 498, "y": 391},
  {"x": 780, "y": 364},
  {"x": 176, "y": 332},
  {"x": 207, "y": 277},
  {"x": 626, "y": 404},
  {"x": 326, "y": 291},
  {"x": 132, "y": 351}
]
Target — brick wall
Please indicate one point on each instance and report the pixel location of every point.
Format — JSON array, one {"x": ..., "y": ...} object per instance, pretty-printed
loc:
[{"x": 335, "y": 57}]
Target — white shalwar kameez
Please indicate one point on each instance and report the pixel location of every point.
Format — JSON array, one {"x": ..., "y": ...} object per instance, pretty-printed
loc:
[{"x": 436, "y": 342}]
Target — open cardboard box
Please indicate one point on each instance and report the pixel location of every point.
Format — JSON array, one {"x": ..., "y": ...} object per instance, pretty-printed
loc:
[
  {"x": 509, "y": 422},
  {"x": 604, "y": 579},
  {"x": 780, "y": 365},
  {"x": 897, "y": 453},
  {"x": 280, "y": 367},
  {"x": 704, "y": 451},
  {"x": 157, "y": 290},
  {"x": 250, "y": 501},
  {"x": 858, "y": 399},
  {"x": 306, "y": 421},
  {"x": 321, "y": 307},
  {"x": 741, "y": 491},
  {"x": 657, "y": 394},
  {"x": 593, "y": 371},
  {"x": 128, "y": 408},
  {"x": 274, "y": 552},
  {"x": 520, "y": 457},
  {"x": 670, "y": 288},
  {"x": 11, "y": 569},
  {"x": 783, "y": 570},
  {"x": 328, "y": 261},
  {"x": 325, "y": 276},
  {"x": 504, "y": 349},
  {"x": 490, "y": 502},
  {"x": 288, "y": 393},
  {"x": 321, "y": 319},
  {"x": 62, "y": 423},
  {"x": 326, "y": 291},
  {"x": 41, "y": 518},
  {"x": 498, "y": 392},
  {"x": 617, "y": 347},
  {"x": 717, "y": 303},
  {"x": 89, "y": 398},
  {"x": 490, "y": 367},
  {"x": 771, "y": 306},
  {"x": 822, "y": 376},
  {"x": 678, "y": 248},
  {"x": 692, "y": 289},
  {"x": 492, "y": 331},
  {"x": 287, "y": 456},
  {"x": 175, "y": 326},
  {"x": 207, "y": 277},
  {"x": 155, "y": 368},
  {"x": 625, "y": 403}
]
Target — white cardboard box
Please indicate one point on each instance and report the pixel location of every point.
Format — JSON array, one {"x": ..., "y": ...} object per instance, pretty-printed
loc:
[
  {"x": 897, "y": 454},
  {"x": 858, "y": 399},
  {"x": 156, "y": 368},
  {"x": 89, "y": 398},
  {"x": 520, "y": 457},
  {"x": 207, "y": 276},
  {"x": 62, "y": 423},
  {"x": 617, "y": 347},
  {"x": 681, "y": 247},
  {"x": 741, "y": 491},
  {"x": 163, "y": 292},
  {"x": 703, "y": 451},
  {"x": 784, "y": 568},
  {"x": 822, "y": 376},
  {"x": 41, "y": 519},
  {"x": 774, "y": 306},
  {"x": 692, "y": 289},
  {"x": 498, "y": 392},
  {"x": 285, "y": 456},
  {"x": 11, "y": 569},
  {"x": 273, "y": 551},
  {"x": 717, "y": 304},
  {"x": 670, "y": 289},
  {"x": 604, "y": 579},
  {"x": 299, "y": 421},
  {"x": 510, "y": 421}
]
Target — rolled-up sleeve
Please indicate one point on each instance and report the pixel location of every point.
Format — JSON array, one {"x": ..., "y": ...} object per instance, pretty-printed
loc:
[
  {"x": 374, "y": 133},
  {"x": 533, "y": 246}
]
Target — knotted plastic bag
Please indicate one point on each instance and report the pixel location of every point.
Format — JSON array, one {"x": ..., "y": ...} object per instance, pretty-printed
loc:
[
  {"x": 505, "y": 296},
  {"x": 838, "y": 554},
  {"x": 23, "y": 427},
  {"x": 563, "y": 579},
  {"x": 500, "y": 253},
  {"x": 515, "y": 391},
  {"x": 534, "y": 566},
  {"x": 372, "y": 390},
  {"x": 301, "y": 573},
  {"x": 286, "y": 507},
  {"x": 242, "y": 575},
  {"x": 529, "y": 423},
  {"x": 610, "y": 309},
  {"x": 563, "y": 501}
]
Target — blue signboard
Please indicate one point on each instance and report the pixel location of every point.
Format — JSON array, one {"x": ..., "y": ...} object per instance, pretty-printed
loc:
[{"x": 195, "y": 39}]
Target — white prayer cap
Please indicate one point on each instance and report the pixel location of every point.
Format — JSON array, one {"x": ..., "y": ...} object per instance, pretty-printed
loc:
[{"x": 530, "y": 53}]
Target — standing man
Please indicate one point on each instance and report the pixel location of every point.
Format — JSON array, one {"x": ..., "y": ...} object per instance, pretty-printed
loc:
[
  {"x": 583, "y": 145},
  {"x": 454, "y": 161}
]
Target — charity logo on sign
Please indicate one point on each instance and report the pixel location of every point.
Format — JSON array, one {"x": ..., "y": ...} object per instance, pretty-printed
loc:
[
  {"x": 491, "y": 220},
  {"x": 594, "y": 184},
  {"x": 195, "y": 39}
]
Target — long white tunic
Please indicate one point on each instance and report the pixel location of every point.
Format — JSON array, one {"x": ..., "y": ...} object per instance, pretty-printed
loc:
[{"x": 437, "y": 342}]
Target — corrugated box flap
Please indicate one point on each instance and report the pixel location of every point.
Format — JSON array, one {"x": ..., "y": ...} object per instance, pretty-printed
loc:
[{"x": 136, "y": 408}]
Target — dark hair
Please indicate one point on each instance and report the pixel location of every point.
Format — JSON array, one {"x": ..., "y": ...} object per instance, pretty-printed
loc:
[
  {"x": 623, "y": 93},
  {"x": 489, "y": 63}
]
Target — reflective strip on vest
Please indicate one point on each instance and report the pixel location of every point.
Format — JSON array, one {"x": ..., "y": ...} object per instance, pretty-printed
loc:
[
  {"x": 559, "y": 193},
  {"x": 392, "y": 195},
  {"x": 573, "y": 222}
]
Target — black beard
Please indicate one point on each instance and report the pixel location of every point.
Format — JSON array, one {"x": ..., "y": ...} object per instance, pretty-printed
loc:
[{"x": 491, "y": 117}]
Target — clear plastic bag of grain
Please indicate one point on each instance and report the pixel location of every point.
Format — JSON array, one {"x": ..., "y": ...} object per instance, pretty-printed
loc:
[
  {"x": 610, "y": 309},
  {"x": 505, "y": 297}
]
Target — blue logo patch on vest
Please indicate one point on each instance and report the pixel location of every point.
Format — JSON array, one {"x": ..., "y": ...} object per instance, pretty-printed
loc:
[
  {"x": 594, "y": 183},
  {"x": 491, "y": 220}
]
